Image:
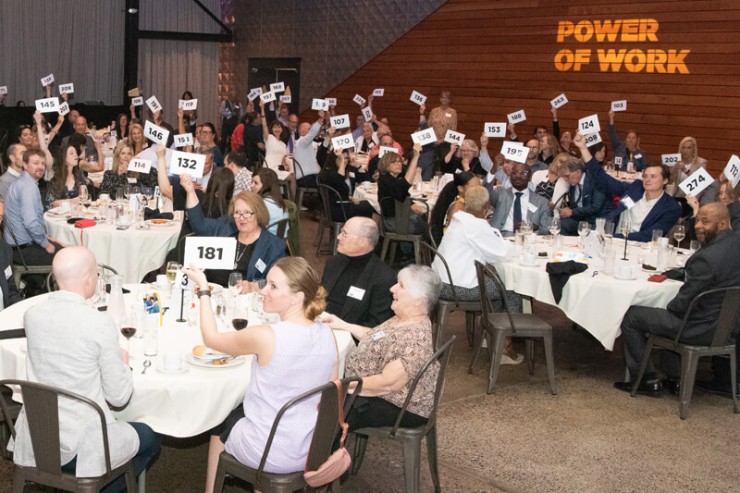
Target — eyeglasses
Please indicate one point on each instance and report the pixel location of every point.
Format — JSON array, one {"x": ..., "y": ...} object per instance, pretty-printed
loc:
[
  {"x": 520, "y": 173},
  {"x": 243, "y": 214}
]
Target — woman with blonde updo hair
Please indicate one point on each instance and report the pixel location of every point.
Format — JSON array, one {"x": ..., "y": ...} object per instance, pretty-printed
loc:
[{"x": 291, "y": 357}]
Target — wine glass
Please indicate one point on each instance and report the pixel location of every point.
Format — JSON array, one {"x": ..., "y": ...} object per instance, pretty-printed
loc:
[
  {"x": 128, "y": 329},
  {"x": 584, "y": 229},
  {"x": 555, "y": 226},
  {"x": 609, "y": 229},
  {"x": 235, "y": 279},
  {"x": 239, "y": 317},
  {"x": 172, "y": 268},
  {"x": 679, "y": 233},
  {"x": 84, "y": 196},
  {"x": 625, "y": 228}
]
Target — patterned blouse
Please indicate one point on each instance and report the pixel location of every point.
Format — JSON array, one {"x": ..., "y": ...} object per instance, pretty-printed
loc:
[
  {"x": 409, "y": 342},
  {"x": 243, "y": 181}
]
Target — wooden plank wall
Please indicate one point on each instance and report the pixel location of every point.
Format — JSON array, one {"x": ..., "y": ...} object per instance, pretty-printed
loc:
[{"x": 497, "y": 57}]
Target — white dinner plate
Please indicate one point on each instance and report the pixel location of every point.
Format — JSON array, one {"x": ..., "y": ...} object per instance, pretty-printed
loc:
[
  {"x": 210, "y": 355},
  {"x": 239, "y": 360}
]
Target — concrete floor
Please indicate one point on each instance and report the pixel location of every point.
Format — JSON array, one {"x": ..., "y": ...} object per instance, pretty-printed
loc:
[{"x": 588, "y": 438}]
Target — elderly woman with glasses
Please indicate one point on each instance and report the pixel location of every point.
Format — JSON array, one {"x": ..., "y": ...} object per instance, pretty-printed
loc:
[
  {"x": 463, "y": 158},
  {"x": 390, "y": 355},
  {"x": 256, "y": 249}
]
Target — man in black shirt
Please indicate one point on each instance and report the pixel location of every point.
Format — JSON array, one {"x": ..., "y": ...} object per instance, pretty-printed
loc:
[{"x": 357, "y": 282}]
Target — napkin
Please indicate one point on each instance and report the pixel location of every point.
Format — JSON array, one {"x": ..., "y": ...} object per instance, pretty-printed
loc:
[
  {"x": 559, "y": 273},
  {"x": 657, "y": 278},
  {"x": 155, "y": 214}
]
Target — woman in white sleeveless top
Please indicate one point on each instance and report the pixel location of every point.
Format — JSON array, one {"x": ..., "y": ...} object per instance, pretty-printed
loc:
[
  {"x": 292, "y": 356},
  {"x": 276, "y": 150}
]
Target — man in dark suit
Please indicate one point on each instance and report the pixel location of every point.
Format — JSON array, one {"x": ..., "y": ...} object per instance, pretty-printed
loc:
[
  {"x": 585, "y": 201},
  {"x": 357, "y": 282},
  {"x": 518, "y": 203},
  {"x": 715, "y": 265},
  {"x": 7, "y": 281}
]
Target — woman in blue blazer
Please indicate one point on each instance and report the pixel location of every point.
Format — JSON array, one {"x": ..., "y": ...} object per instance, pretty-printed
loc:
[{"x": 256, "y": 250}]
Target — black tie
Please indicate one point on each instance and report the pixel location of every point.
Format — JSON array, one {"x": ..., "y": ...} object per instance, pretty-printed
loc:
[
  {"x": 575, "y": 195},
  {"x": 518, "y": 210}
]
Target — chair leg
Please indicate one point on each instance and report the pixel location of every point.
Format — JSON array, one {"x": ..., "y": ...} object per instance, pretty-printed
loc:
[
  {"x": 470, "y": 326},
  {"x": 643, "y": 365},
  {"x": 218, "y": 484},
  {"x": 550, "y": 362},
  {"x": 359, "y": 454},
  {"x": 432, "y": 455},
  {"x": 497, "y": 350},
  {"x": 412, "y": 463},
  {"x": 733, "y": 381},
  {"x": 529, "y": 352},
  {"x": 19, "y": 481},
  {"x": 394, "y": 246},
  {"x": 384, "y": 249},
  {"x": 299, "y": 201},
  {"x": 319, "y": 235},
  {"x": 689, "y": 362},
  {"x": 417, "y": 251},
  {"x": 477, "y": 345},
  {"x": 141, "y": 480}
]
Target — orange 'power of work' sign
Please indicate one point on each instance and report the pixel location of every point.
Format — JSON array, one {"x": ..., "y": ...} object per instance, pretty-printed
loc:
[{"x": 619, "y": 59}]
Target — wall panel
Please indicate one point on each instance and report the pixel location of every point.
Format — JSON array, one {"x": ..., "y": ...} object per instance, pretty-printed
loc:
[{"x": 498, "y": 56}]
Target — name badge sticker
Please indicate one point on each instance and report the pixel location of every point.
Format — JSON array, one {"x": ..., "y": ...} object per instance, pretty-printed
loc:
[
  {"x": 210, "y": 252},
  {"x": 339, "y": 121},
  {"x": 8, "y": 272},
  {"x": 140, "y": 165},
  {"x": 155, "y": 133},
  {"x": 260, "y": 265},
  {"x": 589, "y": 124},
  {"x": 619, "y": 105},
  {"x": 696, "y": 182},
  {"x": 732, "y": 170},
  {"x": 418, "y": 98},
  {"x": 516, "y": 117},
  {"x": 638, "y": 156},
  {"x": 356, "y": 293},
  {"x": 187, "y": 162},
  {"x": 628, "y": 202},
  {"x": 494, "y": 129},
  {"x": 670, "y": 160},
  {"x": 424, "y": 137},
  {"x": 531, "y": 207},
  {"x": 559, "y": 101},
  {"x": 378, "y": 335}
]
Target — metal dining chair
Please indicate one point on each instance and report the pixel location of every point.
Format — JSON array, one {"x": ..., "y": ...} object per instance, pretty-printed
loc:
[
  {"x": 411, "y": 438},
  {"x": 42, "y": 412},
  {"x": 329, "y": 196},
  {"x": 401, "y": 230},
  {"x": 722, "y": 345},
  {"x": 498, "y": 326}
]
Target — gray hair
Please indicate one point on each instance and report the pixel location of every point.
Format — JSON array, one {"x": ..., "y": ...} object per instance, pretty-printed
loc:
[
  {"x": 423, "y": 282},
  {"x": 575, "y": 164},
  {"x": 369, "y": 230}
]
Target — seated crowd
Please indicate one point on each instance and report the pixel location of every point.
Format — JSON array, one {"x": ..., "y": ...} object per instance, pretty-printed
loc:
[{"x": 249, "y": 185}]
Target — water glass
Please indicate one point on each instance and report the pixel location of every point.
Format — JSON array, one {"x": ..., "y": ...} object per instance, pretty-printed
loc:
[
  {"x": 609, "y": 229},
  {"x": 151, "y": 335},
  {"x": 610, "y": 258},
  {"x": 657, "y": 235},
  {"x": 694, "y": 245}
]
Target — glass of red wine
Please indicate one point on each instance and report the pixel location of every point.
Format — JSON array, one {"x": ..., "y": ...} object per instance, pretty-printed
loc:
[
  {"x": 128, "y": 328},
  {"x": 239, "y": 317}
]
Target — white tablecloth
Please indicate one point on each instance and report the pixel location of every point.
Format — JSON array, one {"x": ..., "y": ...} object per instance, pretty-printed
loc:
[
  {"x": 369, "y": 191},
  {"x": 132, "y": 252},
  {"x": 179, "y": 405},
  {"x": 596, "y": 303}
]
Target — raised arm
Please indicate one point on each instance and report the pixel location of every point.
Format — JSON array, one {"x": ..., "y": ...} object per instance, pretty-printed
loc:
[
  {"x": 602, "y": 180},
  {"x": 38, "y": 118},
  {"x": 411, "y": 171},
  {"x": 265, "y": 130},
  {"x": 613, "y": 135},
  {"x": 165, "y": 187}
]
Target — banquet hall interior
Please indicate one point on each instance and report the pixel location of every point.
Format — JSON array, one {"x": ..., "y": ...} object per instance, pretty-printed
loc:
[{"x": 676, "y": 65}]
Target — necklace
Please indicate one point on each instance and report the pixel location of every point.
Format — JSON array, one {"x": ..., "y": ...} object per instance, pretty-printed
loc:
[{"x": 239, "y": 252}]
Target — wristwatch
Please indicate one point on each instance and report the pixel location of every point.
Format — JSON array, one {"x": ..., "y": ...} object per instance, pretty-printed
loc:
[{"x": 204, "y": 292}]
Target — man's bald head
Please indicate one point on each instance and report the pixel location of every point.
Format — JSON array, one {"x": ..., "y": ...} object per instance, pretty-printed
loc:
[
  {"x": 711, "y": 220},
  {"x": 75, "y": 269}
]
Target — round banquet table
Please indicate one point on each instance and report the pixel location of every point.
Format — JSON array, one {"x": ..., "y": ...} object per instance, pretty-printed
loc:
[
  {"x": 174, "y": 404},
  {"x": 132, "y": 252},
  {"x": 596, "y": 302}
]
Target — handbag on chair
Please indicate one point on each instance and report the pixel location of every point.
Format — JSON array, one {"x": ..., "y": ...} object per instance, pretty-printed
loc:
[{"x": 339, "y": 461}]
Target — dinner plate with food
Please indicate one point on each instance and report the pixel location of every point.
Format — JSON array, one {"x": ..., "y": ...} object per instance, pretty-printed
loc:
[{"x": 205, "y": 357}]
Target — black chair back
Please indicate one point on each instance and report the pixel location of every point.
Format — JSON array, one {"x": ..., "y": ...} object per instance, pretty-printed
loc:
[{"x": 488, "y": 272}]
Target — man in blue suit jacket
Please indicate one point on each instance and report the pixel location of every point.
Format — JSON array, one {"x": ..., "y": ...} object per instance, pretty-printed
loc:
[
  {"x": 643, "y": 202},
  {"x": 533, "y": 207},
  {"x": 586, "y": 201}
]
